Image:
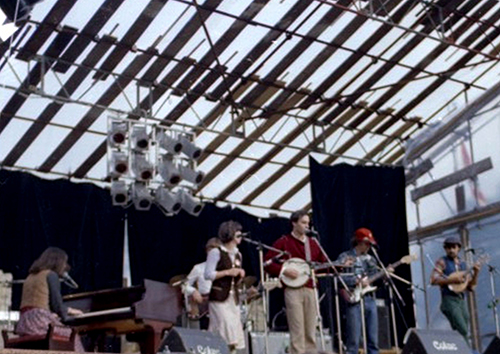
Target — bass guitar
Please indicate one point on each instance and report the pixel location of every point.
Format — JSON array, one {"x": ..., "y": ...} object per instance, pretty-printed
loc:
[
  {"x": 359, "y": 291},
  {"x": 465, "y": 275}
]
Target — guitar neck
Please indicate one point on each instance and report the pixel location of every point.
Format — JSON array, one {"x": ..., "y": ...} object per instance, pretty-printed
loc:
[{"x": 382, "y": 272}]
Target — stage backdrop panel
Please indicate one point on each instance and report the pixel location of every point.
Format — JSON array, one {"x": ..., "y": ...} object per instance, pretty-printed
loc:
[
  {"x": 79, "y": 218},
  {"x": 345, "y": 198}
]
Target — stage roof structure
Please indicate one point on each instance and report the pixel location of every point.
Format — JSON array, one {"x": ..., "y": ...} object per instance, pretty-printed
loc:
[{"x": 263, "y": 84}]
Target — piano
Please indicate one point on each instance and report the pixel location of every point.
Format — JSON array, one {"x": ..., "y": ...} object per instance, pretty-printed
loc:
[{"x": 142, "y": 312}]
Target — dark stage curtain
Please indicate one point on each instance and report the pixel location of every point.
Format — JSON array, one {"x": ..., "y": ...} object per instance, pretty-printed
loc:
[
  {"x": 79, "y": 218},
  {"x": 161, "y": 247},
  {"x": 346, "y": 198}
]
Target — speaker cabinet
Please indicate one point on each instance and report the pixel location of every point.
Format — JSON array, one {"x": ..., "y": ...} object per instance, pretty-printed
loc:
[
  {"x": 384, "y": 327},
  {"x": 192, "y": 341},
  {"x": 494, "y": 347},
  {"x": 419, "y": 341},
  {"x": 279, "y": 343}
]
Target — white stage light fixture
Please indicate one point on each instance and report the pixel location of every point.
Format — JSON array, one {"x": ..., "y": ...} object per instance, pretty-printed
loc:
[
  {"x": 169, "y": 201},
  {"x": 169, "y": 172},
  {"x": 117, "y": 133},
  {"x": 190, "y": 175},
  {"x": 119, "y": 193},
  {"x": 188, "y": 148},
  {"x": 143, "y": 170},
  {"x": 190, "y": 204},
  {"x": 119, "y": 164},
  {"x": 141, "y": 197},
  {"x": 172, "y": 145},
  {"x": 139, "y": 138}
]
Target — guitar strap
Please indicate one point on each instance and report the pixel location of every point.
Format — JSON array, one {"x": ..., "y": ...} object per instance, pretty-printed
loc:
[{"x": 307, "y": 249}]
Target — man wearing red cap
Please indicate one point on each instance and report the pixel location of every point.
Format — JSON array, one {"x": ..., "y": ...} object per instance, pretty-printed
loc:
[
  {"x": 453, "y": 304},
  {"x": 363, "y": 267}
]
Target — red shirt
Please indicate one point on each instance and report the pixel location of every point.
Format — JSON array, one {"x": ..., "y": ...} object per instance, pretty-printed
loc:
[{"x": 296, "y": 249}]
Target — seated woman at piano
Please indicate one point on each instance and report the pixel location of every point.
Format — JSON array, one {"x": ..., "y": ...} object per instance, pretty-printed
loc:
[
  {"x": 41, "y": 301},
  {"x": 224, "y": 269}
]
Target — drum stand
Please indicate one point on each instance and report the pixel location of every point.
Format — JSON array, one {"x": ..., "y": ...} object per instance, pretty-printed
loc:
[{"x": 262, "y": 289}]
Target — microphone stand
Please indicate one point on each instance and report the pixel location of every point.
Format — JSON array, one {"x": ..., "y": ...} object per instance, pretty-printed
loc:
[
  {"x": 337, "y": 302},
  {"x": 262, "y": 289},
  {"x": 494, "y": 302},
  {"x": 392, "y": 290}
]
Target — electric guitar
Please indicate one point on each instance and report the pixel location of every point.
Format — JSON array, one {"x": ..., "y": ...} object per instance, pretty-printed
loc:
[
  {"x": 465, "y": 275},
  {"x": 359, "y": 291}
]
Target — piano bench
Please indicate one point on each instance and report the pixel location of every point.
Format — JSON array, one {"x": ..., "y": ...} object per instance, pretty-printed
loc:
[{"x": 57, "y": 338}]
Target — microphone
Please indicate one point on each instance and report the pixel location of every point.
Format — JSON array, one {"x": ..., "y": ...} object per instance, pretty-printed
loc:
[
  {"x": 69, "y": 281},
  {"x": 273, "y": 260},
  {"x": 245, "y": 234},
  {"x": 312, "y": 233}
]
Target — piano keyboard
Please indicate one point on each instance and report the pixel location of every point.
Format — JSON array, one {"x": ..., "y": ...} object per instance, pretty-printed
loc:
[{"x": 104, "y": 312}]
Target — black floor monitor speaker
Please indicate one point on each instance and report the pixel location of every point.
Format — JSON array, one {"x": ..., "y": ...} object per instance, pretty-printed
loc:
[
  {"x": 494, "y": 347},
  {"x": 434, "y": 341},
  {"x": 192, "y": 341},
  {"x": 384, "y": 327}
]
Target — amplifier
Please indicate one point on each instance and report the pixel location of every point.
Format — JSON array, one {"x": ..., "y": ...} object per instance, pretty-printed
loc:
[{"x": 279, "y": 343}]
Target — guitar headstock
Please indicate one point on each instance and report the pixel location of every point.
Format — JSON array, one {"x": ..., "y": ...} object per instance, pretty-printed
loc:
[
  {"x": 409, "y": 258},
  {"x": 482, "y": 259}
]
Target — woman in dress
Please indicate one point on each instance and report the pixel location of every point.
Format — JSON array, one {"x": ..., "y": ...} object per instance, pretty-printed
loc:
[{"x": 224, "y": 269}]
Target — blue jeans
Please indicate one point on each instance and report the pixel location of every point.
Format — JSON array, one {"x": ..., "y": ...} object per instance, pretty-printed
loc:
[{"x": 353, "y": 326}]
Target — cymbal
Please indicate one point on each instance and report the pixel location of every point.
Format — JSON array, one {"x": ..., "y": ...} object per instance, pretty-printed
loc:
[
  {"x": 248, "y": 281},
  {"x": 177, "y": 280}
]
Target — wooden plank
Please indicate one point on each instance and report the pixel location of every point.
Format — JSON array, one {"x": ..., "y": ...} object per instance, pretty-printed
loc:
[
  {"x": 134, "y": 32},
  {"x": 192, "y": 95},
  {"x": 45, "y": 29},
  {"x": 35, "y": 76},
  {"x": 90, "y": 117},
  {"x": 222, "y": 43},
  {"x": 245, "y": 143},
  {"x": 263, "y": 45},
  {"x": 53, "y": 108},
  {"x": 469, "y": 172},
  {"x": 413, "y": 173},
  {"x": 331, "y": 129},
  {"x": 87, "y": 34}
]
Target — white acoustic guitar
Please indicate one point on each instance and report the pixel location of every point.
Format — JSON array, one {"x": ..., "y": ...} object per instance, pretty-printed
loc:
[
  {"x": 359, "y": 291},
  {"x": 304, "y": 270}
]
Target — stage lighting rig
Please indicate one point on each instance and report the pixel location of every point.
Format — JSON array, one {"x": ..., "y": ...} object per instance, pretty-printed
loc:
[
  {"x": 139, "y": 138},
  {"x": 146, "y": 166},
  {"x": 170, "y": 144},
  {"x": 119, "y": 193},
  {"x": 117, "y": 133},
  {"x": 168, "y": 171},
  {"x": 189, "y": 203},
  {"x": 189, "y": 148},
  {"x": 141, "y": 167},
  {"x": 168, "y": 201},
  {"x": 190, "y": 175},
  {"x": 141, "y": 197},
  {"x": 119, "y": 164}
]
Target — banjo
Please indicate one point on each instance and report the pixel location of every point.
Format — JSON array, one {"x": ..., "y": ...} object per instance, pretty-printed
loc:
[{"x": 304, "y": 270}]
